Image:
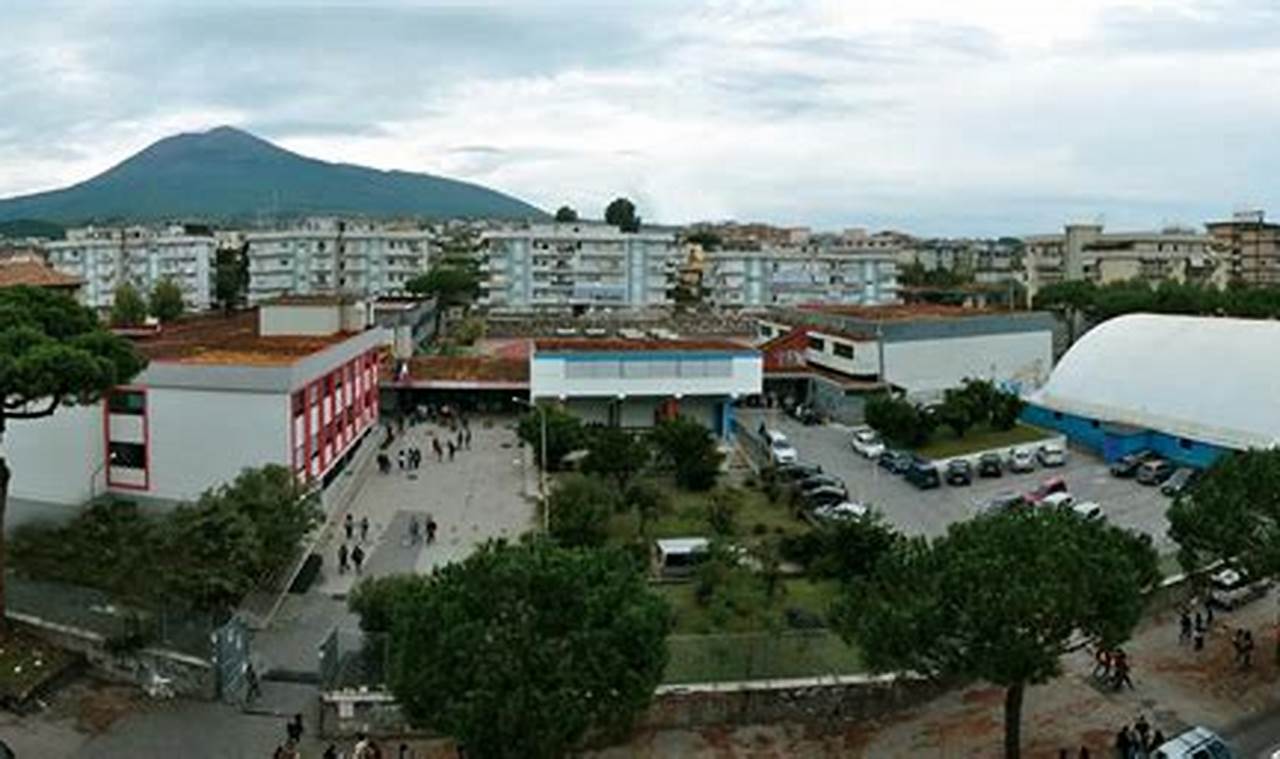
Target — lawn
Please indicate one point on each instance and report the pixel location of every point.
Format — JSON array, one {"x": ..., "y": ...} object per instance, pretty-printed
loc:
[
  {"x": 691, "y": 618},
  {"x": 753, "y": 656},
  {"x": 944, "y": 443}
]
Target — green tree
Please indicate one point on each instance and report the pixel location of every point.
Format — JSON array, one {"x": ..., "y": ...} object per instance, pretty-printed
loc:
[
  {"x": 207, "y": 555},
  {"x": 649, "y": 502},
  {"x": 565, "y": 434},
  {"x": 450, "y": 284},
  {"x": 579, "y": 510},
  {"x": 616, "y": 454},
  {"x": 898, "y": 419},
  {"x": 690, "y": 449},
  {"x": 999, "y": 598},
  {"x": 621, "y": 213},
  {"x": 849, "y": 549},
  {"x": 166, "y": 300},
  {"x": 128, "y": 307},
  {"x": 231, "y": 277},
  {"x": 1233, "y": 515},
  {"x": 1005, "y": 409},
  {"x": 722, "y": 511},
  {"x": 1071, "y": 300},
  {"x": 53, "y": 352},
  {"x": 279, "y": 507},
  {"x": 958, "y": 411},
  {"x": 522, "y": 650},
  {"x": 566, "y": 214}
]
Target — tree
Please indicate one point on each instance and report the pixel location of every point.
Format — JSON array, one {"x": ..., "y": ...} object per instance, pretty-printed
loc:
[
  {"x": 849, "y": 549},
  {"x": 722, "y": 511},
  {"x": 566, "y": 214},
  {"x": 128, "y": 308},
  {"x": 231, "y": 277},
  {"x": 565, "y": 434},
  {"x": 690, "y": 449},
  {"x": 450, "y": 284},
  {"x": 522, "y": 650},
  {"x": 207, "y": 554},
  {"x": 277, "y": 505},
  {"x": 579, "y": 510},
  {"x": 1006, "y": 407},
  {"x": 166, "y": 300},
  {"x": 621, "y": 213},
  {"x": 999, "y": 598},
  {"x": 958, "y": 411},
  {"x": 648, "y": 501},
  {"x": 53, "y": 352},
  {"x": 616, "y": 454},
  {"x": 1233, "y": 515},
  {"x": 898, "y": 419}
]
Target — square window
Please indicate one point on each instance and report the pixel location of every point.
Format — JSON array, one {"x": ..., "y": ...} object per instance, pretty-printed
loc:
[
  {"x": 132, "y": 402},
  {"x": 1057, "y": 416},
  {"x": 128, "y": 455},
  {"x": 1185, "y": 444},
  {"x": 817, "y": 344}
]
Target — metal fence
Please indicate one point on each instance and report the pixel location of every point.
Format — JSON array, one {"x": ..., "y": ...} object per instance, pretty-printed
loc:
[
  {"x": 733, "y": 657},
  {"x": 350, "y": 659}
]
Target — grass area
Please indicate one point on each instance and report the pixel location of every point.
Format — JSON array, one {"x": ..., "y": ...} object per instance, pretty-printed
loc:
[
  {"x": 691, "y": 618},
  {"x": 26, "y": 663},
  {"x": 709, "y": 658},
  {"x": 945, "y": 444}
]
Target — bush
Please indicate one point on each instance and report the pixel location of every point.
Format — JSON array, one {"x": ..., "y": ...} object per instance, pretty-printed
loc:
[
  {"x": 802, "y": 548},
  {"x": 580, "y": 509},
  {"x": 565, "y": 434},
  {"x": 690, "y": 449},
  {"x": 722, "y": 510}
]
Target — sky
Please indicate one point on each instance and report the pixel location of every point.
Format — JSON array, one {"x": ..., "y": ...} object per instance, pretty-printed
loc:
[{"x": 938, "y": 117}]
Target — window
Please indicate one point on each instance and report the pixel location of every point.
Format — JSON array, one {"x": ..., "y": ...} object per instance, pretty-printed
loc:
[
  {"x": 127, "y": 402},
  {"x": 1094, "y": 423},
  {"x": 1185, "y": 444},
  {"x": 299, "y": 403},
  {"x": 128, "y": 455},
  {"x": 1057, "y": 416},
  {"x": 843, "y": 350},
  {"x": 817, "y": 344}
]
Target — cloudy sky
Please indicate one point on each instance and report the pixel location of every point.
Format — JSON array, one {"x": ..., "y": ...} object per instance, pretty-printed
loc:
[{"x": 935, "y": 116}]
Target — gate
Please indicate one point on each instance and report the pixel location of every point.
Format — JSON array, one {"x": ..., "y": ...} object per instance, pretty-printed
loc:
[{"x": 231, "y": 660}]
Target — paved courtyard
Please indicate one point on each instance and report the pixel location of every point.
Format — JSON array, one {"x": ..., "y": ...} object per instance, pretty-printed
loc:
[{"x": 928, "y": 512}]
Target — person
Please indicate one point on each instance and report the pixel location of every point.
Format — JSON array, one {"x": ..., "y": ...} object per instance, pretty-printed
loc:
[
  {"x": 331, "y": 752},
  {"x": 1198, "y": 640},
  {"x": 466, "y": 432},
  {"x": 1157, "y": 740},
  {"x": 294, "y": 729},
  {"x": 431, "y": 529},
  {"x": 460, "y": 436},
  {"x": 253, "y": 689},
  {"x": 435, "y": 444},
  {"x": 361, "y": 747},
  {"x": 1208, "y": 614},
  {"x": 1199, "y": 624},
  {"x": 357, "y": 558},
  {"x": 1102, "y": 664},
  {"x": 1185, "y": 635},
  {"x": 1143, "y": 729},
  {"x": 1122, "y": 670},
  {"x": 400, "y": 459},
  {"x": 1124, "y": 742},
  {"x": 350, "y": 523},
  {"x": 404, "y": 751},
  {"x": 364, "y": 529},
  {"x": 452, "y": 450},
  {"x": 343, "y": 557},
  {"x": 761, "y": 430},
  {"x": 1237, "y": 642},
  {"x": 414, "y": 530}
]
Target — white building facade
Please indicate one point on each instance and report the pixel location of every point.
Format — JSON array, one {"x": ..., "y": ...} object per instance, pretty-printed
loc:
[
  {"x": 326, "y": 255},
  {"x": 791, "y": 276},
  {"x": 577, "y": 265},
  {"x": 108, "y": 257}
]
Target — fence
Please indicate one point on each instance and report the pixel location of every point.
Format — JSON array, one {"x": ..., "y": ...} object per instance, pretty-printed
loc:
[
  {"x": 737, "y": 657},
  {"x": 352, "y": 660}
]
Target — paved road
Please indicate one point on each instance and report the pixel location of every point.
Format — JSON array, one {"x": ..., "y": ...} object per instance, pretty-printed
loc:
[{"x": 928, "y": 512}]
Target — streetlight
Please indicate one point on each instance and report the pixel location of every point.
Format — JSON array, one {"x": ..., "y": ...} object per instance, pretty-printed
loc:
[{"x": 542, "y": 469}]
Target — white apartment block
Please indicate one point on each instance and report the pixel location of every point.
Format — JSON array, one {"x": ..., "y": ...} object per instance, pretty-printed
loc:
[
  {"x": 326, "y": 255},
  {"x": 791, "y": 276},
  {"x": 577, "y": 265},
  {"x": 107, "y": 257}
]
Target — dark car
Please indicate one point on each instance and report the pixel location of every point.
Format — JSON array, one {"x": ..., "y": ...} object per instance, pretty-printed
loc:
[
  {"x": 990, "y": 465},
  {"x": 1154, "y": 472},
  {"x": 1181, "y": 482},
  {"x": 895, "y": 461},
  {"x": 1047, "y": 488},
  {"x": 798, "y": 471},
  {"x": 805, "y": 414},
  {"x": 1127, "y": 465},
  {"x": 825, "y": 496},
  {"x": 959, "y": 472},
  {"x": 1006, "y": 500},
  {"x": 923, "y": 474},
  {"x": 820, "y": 481}
]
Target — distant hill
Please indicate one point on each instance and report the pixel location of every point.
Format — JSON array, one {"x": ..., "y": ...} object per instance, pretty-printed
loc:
[
  {"x": 22, "y": 228},
  {"x": 226, "y": 174}
]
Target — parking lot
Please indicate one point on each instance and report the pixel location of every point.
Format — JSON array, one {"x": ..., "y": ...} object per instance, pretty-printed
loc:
[{"x": 928, "y": 512}]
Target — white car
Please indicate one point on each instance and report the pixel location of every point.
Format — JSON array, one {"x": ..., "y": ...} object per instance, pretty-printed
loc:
[
  {"x": 1022, "y": 460},
  {"x": 845, "y": 510},
  {"x": 867, "y": 442},
  {"x": 1088, "y": 509},
  {"x": 781, "y": 451},
  {"x": 1196, "y": 743},
  {"x": 1052, "y": 454}
]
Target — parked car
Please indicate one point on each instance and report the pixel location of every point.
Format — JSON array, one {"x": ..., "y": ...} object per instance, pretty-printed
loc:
[
  {"x": 805, "y": 414},
  {"x": 1022, "y": 460},
  {"x": 1196, "y": 743},
  {"x": 959, "y": 472},
  {"x": 842, "y": 510},
  {"x": 1154, "y": 472},
  {"x": 1052, "y": 454},
  {"x": 1088, "y": 509},
  {"x": 923, "y": 474},
  {"x": 1180, "y": 481},
  {"x": 1127, "y": 465},
  {"x": 1058, "y": 501},
  {"x": 781, "y": 451},
  {"x": 1231, "y": 588},
  {"x": 895, "y": 461},
  {"x": 798, "y": 471},
  {"x": 1047, "y": 488},
  {"x": 990, "y": 465},
  {"x": 825, "y": 496},
  {"x": 820, "y": 481},
  {"x": 867, "y": 442},
  {"x": 1006, "y": 499}
]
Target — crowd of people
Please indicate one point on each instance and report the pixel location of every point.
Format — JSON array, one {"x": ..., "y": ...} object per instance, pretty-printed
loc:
[{"x": 364, "y": 747}]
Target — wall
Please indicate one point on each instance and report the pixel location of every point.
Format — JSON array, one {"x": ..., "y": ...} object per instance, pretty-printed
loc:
[
  {"x": 834, "y": 401},
  {"x": 865, "y": 361},
  {"x": 204, "y": 438},
  {"x": 1112, "y": 442},
  {"x": 548, "y": 376},
  {"x": 53, "y": 459},
  {"x": 299, "y": 320},
  {"x": 923, "y": 366}
]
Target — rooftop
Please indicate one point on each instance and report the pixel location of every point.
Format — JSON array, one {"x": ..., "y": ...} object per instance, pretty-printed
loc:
[
  {"x": 906, "y": 312},
  {"x": 466, "y": 371},
  {"x": 317, "y": 299},
  {"x": 217, "y": 339},
  {"x": 614, "y": 345},
  {"x": 28, "y": 272}
]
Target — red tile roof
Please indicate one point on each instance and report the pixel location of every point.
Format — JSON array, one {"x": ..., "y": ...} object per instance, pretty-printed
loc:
[
  {"x": 609, "y": 345},
  {"x": 27, "y": 272},
  {"x": 229, "y": 340}
]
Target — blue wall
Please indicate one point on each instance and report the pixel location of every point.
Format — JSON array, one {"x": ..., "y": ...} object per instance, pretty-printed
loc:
[{"x": 1111, "y": 443}]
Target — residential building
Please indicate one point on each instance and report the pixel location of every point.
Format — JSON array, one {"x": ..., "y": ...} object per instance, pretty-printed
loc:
[
  {"x": 1173, "y": 384},
  {"x": 636, "y": 383},
  {"x": 1251, "y": 247},
  {"x": 105, "y": 258},
  {"x": 575, "y": 266},
  {"x": 356, "y": 257},
  {"x": 1085, "y": 252},
  {"x": 789, "y": 276},
  {"x": 988, "y": 261},
  {"x": 834, "y": 356},
  {"x": 293, "y": 382}
]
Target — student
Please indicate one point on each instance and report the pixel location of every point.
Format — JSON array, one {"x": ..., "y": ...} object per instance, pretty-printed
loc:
[{"x": 357, "y": 558}]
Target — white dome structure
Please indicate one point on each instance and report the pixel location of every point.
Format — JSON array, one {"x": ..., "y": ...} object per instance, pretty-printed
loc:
[{"x": 1208, "y": 379}]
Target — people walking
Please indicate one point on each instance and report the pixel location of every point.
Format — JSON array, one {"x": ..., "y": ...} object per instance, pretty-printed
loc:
[
  {"x": 1102, "y": 665},
  {"x": 431, "y": 529},
  {"x": 435, "y": 444},
  {"x": 1143, "y": 729},
  {"x": 350, "y": 523},
  {"x": 1157, "y": 740},
  {"x": 357, "y": 559},
  {"x": 364, "y": 529},
  {"x": 293, "y": 729},
  {"x": 343, "y": 559},
  {"x": 1121, "y": 668},
  {"x": 452, "y": 450},
  {"x": 1124, "y": 742},
  {"x": 400, "y": 459},
  {"x": 466, "y": 436},
  {"x": 1184, "y": 635}
]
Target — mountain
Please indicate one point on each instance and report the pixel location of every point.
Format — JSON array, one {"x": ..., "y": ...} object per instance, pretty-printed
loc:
[
  {"x": 226, "y": 173},
  {"x": 21, "y": 228}
]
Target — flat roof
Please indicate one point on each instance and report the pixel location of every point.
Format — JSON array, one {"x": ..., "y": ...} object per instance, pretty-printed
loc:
[
  {"x": 464, "y": 371},
  {"x": 617, "y": 345},
  {"x": 904, "y": 312},
  {"x": 34, "y": 273},
  {"x": 218, "y": 339},
  {"x": 317, "y": 299}
]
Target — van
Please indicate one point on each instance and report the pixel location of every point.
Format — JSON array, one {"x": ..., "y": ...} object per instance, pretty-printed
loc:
[
  {"x": 1196, "y": 743},
  {"x": 681, "y": 556}
]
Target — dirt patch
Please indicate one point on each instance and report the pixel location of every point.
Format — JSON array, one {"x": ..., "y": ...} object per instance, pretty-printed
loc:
[{"x": 98, "y": 708}]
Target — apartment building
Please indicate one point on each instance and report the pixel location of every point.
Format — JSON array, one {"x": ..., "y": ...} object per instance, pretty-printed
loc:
[
  {"x": 325, "y": 255},
  {"x": 106, "y": 257},
  {"x": 1250, "y": 247},
  {"x": 1085, "y": 252},
  {"x": 577, "y": 266},
  {"x": 790, "y": 276},
  {"x": 990, "y": 261}
]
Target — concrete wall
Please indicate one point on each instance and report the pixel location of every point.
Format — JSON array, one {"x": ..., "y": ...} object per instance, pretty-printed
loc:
[
  {"x": 53, "y": 459},
  {"x": 865, "y": 361},
  {"x": 550, "y": 375},
  {"x": 834, "y": 401},
  {"x": 928, "y": 366},
  {"x": 300, "y": 320},
  {"x": 204, "y": 438}
]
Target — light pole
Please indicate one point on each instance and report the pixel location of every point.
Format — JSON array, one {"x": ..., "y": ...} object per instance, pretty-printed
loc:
[{"x": 542, "y": 468}]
